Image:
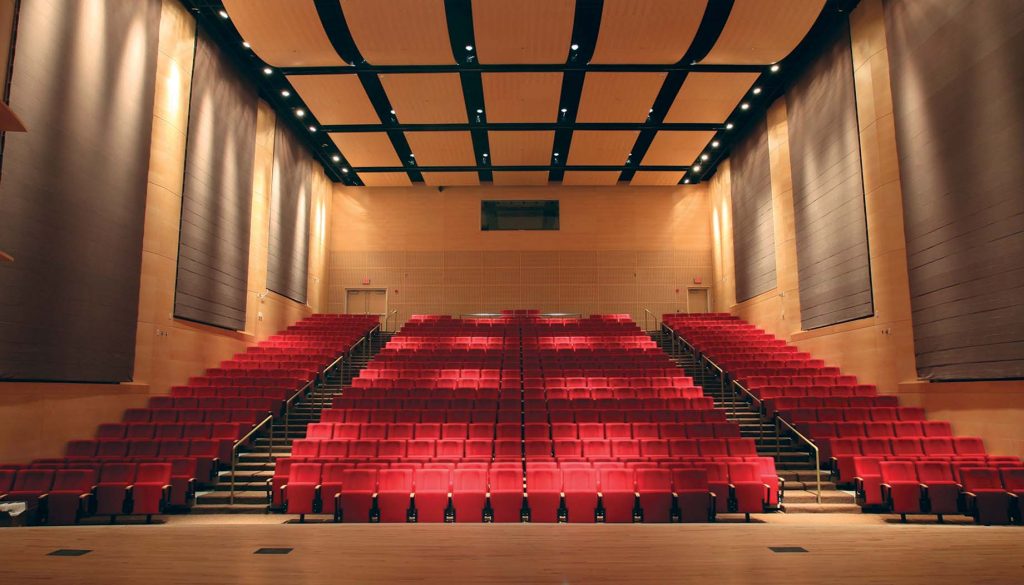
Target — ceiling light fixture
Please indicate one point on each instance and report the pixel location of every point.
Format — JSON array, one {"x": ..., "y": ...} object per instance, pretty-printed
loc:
[
  {"x": 469, "y": 47},
  {"x": 300, "y": 113},
  {"x": 756, "y": 91},
  {"x": 729, "y": 126},
  {"x": 714, "y": 144},
  {"x": 312, "y": 128},
  {"x": 574, "y": 47},
  {"x": 223, "y": 14},
  {"x": 344, "y": 169},
  {"x": 744, "y": 106},
  {"x": 564, "y": 110},
  {"x": 336, "y": 158},
  {"x": 285, "y": 93},
  {"x": 774, "y": 68},
  {"x": 704, "y": 157},
  {"x": 686, "y": 181},
  {"x": 696, "y": 167},
  {"x": 246, "y": 44},
  {"x": 392, "y": 112},
  {"x": 267, "y": 71},
  {"x": 479, "y": 110}
]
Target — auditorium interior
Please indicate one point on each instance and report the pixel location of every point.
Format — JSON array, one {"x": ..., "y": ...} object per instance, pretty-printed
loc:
[{"x": 511, "y": 291}]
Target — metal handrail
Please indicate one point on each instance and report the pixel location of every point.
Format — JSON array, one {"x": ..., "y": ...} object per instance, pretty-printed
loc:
[
  {"x": 654, "y": 318},
  {"x": 240, "y": 442},
  {"x": 744, "y": 390},
  {"x": 387, "y": 318},
  {"x": 817, "y": 454},
  {"x": 499, "y": 315}
]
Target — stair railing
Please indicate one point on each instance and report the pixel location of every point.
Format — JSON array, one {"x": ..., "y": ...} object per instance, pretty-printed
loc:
[
  {"x": 242, "y": 441},
  {"x": 741, "y": 389},
  {"x": 779, "y": 423},
  {"x": 654, "y": 320},
  {"x": 387, "y": 318}
]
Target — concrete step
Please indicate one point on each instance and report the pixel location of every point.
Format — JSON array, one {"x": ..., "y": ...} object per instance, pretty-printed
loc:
[
  {"x": 224, "y": 498},
  {"x": 815, "y": 508},
  {"x": 226, "y": 509}
]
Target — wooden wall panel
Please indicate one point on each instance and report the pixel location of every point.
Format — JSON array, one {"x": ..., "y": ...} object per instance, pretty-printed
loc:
[
  {"x": 752, "y": 214},
  {"x": 957, "y": 96},
  {"x": 213, "y": 248},
  {"x": 288, "y": 252},
  {"x": 74, "y": 208},
  {"x": 828, "y": 190},
  {"x": 618, "y": 249}
]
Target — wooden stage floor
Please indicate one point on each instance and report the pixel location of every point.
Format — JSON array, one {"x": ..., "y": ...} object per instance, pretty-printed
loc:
[{"x": 220, "y": 550}]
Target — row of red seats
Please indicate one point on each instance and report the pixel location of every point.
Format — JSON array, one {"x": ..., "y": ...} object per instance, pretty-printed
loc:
[
  {"x": 842, "y": 452},
  {"x": 989, "y": 494},
  {"x": 63, "y": 496},
  {"x": 326, "y": 430},
  {"x": 773, "y": 405},
  {"x": 338, "y": 415},
  {"x": 515, "y": 401},
  {"x": 615, "y": 495}
]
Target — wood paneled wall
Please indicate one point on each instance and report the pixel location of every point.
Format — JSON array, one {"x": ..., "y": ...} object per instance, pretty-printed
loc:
[
  {"x": 618, "y": 250},
  {"x": 36, "y": 420},
  {"x": 878, "y": 349}
]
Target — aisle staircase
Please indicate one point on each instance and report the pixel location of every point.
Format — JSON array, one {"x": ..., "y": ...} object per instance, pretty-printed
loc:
[
  {"x": 256, "y": 462},
  {"x": 793, "y": 460}
]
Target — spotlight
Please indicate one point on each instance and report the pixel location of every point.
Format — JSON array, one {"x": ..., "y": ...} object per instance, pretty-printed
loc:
[
  {"x": 729, "y": 126},
  {"x": 564, "y": 110},
  {"x": 479, "y": 110},
  {"x": 312, "y": 128},
  {"x": 756, "y": 91},
  {"x": 344, "y": 170},
  {"x": 574, "y": 47},
  {"x": 714, "y": 144},
  {"x": 299, "y": 113},
  {"x": 774, "y": 68},
  {"x": 246, "y": 44},
  {"x": 469, "y": 47},
  {"x": 744, "y": 106},
  {"x": 696, "y": 168},
  {"x": 223, "y": 14},
  {"x": 267, "y": 71},
  {"x": 285, "y": 93},
  {"x": 704, "y": 157},
  {"x": 686, "y": 181},
  {"x": 336, "y": 158}
]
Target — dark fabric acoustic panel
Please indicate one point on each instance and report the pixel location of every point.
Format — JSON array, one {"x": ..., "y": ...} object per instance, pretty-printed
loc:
[
  {"x": 216, "y": 206},
  {"x": 828, "y": 190},
  {"x": 753, "y": 225},
  {"x": 290, "y": 196},
  {"x": 958, "y": 91},
  {"x": 73, "y": 190}
]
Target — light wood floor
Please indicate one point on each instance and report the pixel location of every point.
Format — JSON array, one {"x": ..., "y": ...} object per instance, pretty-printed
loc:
[{"x": 839, "y": 551}]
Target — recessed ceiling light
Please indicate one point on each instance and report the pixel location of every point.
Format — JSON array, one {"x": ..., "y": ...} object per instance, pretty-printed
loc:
[
  {"x": 729, "y": 126},
  {"x": 774, "y": 68},
  {"x": 479, "y": 110},
  {"x": 650, "y": 111},
  {"x": 469, "y": 47},
  {"x": 756, "y": 91},
  {"x": 574, "y": 47},
  {"x": 485, "y": 155},
  {"x": 744, "y": 106},
  {"x": 686, "y": 181},
  {"x": 392, "y": 112},
  {"x": 556, "y": 154},
  {"x": 223, "y": 14},
  {"x": 696, "y": 167},
  {"x": 344, "y": 169},
  {"x": 704, "y": 157},
  {"x": 411, "y": 155},
  {"x": 300, "y": 112},
  {"x": 564, "y": 110},
  {"x": 267, "y": 71},
  {"x": 285, "y": 93},
  {"x": 714, "y": 144},
  {"x": 246, "y": 44},
  {"x": 312, "y": 128},
  {"x": 336, "y": 158}
]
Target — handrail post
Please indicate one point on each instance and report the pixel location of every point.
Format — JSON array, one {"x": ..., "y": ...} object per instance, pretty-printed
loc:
[{"x": 234, "y": 457}]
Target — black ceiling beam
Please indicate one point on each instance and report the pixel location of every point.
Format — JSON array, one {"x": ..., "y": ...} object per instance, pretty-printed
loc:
[
  {"x": 484, "y": 125},
  {"x": 585, "y": 26},
  {"x": 526, "y": 68},
  {"x": 655, "y": 121},
  {"x": 526, "y": 168},
  {"x": 459, "y": 17}
]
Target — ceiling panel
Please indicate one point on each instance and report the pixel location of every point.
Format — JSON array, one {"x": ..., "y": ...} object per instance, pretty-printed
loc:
[
  {"x": 709, "y": 97},
  {"x": 522, "y": 97},
  {"x": 399, "y": 32},
  {"x": 601, "y": 147},
  {"x": 647, "y": 31},
  {"x": 426, "y": 98},
  {"x": 515, "y": 147},
  {"x": 590, "y": 178},
  {"x": 523, "y": 31},
  {"x": 759, "y": 32},
  {"x": 645, "y": 178},
  {"x": 335, "y": 99},
  {"x": 442, "y": 149},
  {"x": 503, "y": 178},
  {"x": 451, "y": 179},
  {"x": 386, "y": 179},
  {"x": 366, "y": 149},
  {"x": 618, "y": 96},
  {"x": 676, "y": 147},
  {"x": 284, "y": 33}
]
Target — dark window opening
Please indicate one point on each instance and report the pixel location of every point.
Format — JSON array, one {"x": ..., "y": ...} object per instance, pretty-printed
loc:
[{"x": 518, "y": 215}]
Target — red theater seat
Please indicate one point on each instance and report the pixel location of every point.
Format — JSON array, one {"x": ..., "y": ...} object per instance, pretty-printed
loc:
[
  {"x": 942, "y": 490},
  {"x": 68, "y": 499},
  {"x": 469, "y": 494},
  {"x": 394, "y": 493},
  {"x": 986, "y": 499},
  {"x": 433, "y": 489},
  {"x": 301, "y": 493},
  {"x": 356, "y": 498},
  {"x": 112, "y": 493},
  {"x": 506, "y": 494},
  {"x": 694, "y": 500},
  {"x": 544, "y": 494},
  {"x": 618, "y": 495},
  {"x": 901, "y": 490},
  {"x": 580, "y": 487},
  {"x": 655, "y": 489}
]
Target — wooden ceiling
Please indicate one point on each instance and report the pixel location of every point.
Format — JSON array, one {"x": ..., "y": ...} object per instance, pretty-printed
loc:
[{"x": 530, "y": 92}]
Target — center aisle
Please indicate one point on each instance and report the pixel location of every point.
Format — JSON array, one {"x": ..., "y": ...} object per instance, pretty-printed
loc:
[{"x": 524, "y": 418}]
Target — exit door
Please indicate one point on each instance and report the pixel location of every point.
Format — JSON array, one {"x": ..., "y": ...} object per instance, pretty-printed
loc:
[
  {"x": 697, "y": 300},
  {"x": 366, "y": 301}
]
